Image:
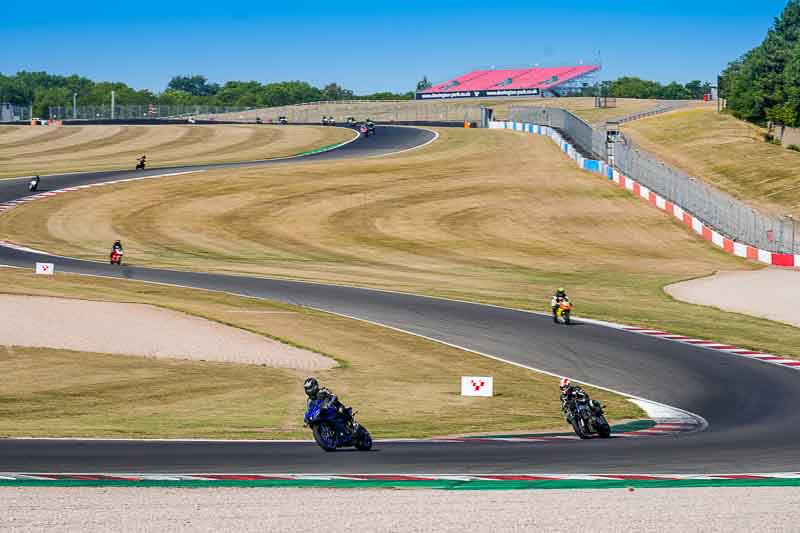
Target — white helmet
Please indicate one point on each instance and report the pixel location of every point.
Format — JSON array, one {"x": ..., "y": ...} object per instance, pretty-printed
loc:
[{"x": 565, "y": 382}]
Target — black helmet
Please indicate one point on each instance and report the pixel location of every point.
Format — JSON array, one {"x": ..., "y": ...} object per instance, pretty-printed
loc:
[
  {"x": 311, "y": 385},
  {"x": 117, "y": 242}
]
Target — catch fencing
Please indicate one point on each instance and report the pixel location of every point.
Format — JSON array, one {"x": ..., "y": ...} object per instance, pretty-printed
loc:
[
  {"x": 376, "y": 110},
  {"x": 309, "y": 113},
  {"x": 590, "y": 141},
  {"x": 14, "y": 113},
  {"x": 718, "y": 210},
  {"x": 132, "y": 112}
]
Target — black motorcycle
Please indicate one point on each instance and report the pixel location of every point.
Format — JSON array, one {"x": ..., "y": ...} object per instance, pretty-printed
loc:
[
  {"x": 282, "y": 120},
  {"x": 371, "y": 127},
  {"x": 140, "y": 164},
  {"x": 587, "y": 417},
  {"x": 34, "y": 184}
]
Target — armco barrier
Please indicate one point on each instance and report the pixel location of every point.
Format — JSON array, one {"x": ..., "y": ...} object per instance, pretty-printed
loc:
[{"x": 692, "y": 223}]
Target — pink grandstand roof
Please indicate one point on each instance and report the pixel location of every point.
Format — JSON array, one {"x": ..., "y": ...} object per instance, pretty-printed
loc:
[{"x": 527, "y": 78}]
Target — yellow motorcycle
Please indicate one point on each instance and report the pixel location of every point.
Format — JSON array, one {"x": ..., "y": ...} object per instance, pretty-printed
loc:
[{"x": 563, "y": 313}]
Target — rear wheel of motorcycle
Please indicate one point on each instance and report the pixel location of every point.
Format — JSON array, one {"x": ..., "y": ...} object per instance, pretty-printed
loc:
[
  {"x": 363, "y": 440},
  {"x": 325, "y": 437},
  {"x": 603, "y": 428},
  {"x": 567, "y": 321}
]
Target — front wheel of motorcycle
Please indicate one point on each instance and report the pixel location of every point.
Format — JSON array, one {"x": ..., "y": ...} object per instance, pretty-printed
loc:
[
  {"x": 577, "y": 425},
  {"x": 363, "y": 440},
  {"x": 325, "y": 436}
]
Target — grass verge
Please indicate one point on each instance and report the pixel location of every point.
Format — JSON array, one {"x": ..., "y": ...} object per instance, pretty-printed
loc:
[
  {"x": 489, "y": 216},
  {"x": 728, "y": 153}
]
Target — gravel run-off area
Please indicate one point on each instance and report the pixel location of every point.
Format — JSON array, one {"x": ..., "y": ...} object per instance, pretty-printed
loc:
[
  {"x": 333, "y": 510},
  {"x": 772, "y": 293},
  {"x": 137, "y": 329}
]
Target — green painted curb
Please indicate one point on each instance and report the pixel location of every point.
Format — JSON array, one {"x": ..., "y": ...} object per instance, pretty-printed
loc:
[{"x": 446, "y": 484}]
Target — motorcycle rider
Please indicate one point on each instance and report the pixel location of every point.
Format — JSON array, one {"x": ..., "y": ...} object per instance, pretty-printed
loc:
[
  {"x": 559, "y": 297},
  {"x": 142, "y": 161},
  {"x": 35, "y": 182},
  {"x": 315, "y": 392},
  {"x": 569, "y": 393},
  {"x": 117, "y": 247}
]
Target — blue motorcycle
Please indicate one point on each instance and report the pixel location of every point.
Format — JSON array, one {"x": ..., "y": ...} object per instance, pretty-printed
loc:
[{"x": 332, "y": 431}]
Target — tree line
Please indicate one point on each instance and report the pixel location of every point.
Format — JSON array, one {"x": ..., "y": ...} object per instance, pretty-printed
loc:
[
  {"x": 764, "y": 84},
  {"x": 633, "y": 87},
  {"x": 43, "y": 90}
]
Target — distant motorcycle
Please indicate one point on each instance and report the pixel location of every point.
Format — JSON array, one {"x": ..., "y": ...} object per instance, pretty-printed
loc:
[
  {"x": 116, "y": 256},
  {"x": 34, "y": 184},
  {"x": 563, "y": 313},
  {"x": 332, "y": 431},
  {"x": 371, "y": 127},
  {"x": 283, "y": 120},
  {"x": 141, "y": 164},
  {"x": 587, "y": 418},
  {"x": 364, "y": 129}
]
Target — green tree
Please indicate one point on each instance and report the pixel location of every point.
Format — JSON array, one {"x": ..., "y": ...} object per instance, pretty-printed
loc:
[
  {"x": 196, "y": 85},
  {"x": 766, "y": 77}
]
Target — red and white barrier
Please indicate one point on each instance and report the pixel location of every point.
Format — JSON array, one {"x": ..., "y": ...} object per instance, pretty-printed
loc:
[{"x": 692, "y": 223}]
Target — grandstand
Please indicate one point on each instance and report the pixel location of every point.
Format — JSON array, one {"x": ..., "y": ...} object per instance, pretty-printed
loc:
[{"x": 556, "y": 81}]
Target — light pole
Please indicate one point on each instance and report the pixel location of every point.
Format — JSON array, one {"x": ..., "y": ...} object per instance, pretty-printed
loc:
[
  {"x": 791, "y": 217},
  {"x": 74, "y": 106}
]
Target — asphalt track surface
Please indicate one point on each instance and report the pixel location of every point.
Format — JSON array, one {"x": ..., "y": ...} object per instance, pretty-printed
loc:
[{"x": 751, "y": 406}]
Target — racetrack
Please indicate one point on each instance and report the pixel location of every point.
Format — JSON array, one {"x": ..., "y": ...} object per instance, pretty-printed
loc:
[{"x": 749, "y": 405}]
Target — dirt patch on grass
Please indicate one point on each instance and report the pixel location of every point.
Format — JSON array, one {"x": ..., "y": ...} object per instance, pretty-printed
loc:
[
  {"x": 136, "y": 329},
  {"x": 771, "y": 293}
]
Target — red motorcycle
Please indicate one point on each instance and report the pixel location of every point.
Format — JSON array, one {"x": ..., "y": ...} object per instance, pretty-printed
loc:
[{"x": 116, "y": 256}]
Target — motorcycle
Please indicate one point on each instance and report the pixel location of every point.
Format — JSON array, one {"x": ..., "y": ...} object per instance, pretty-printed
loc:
[
  {"x": 34, "y": 184},
  {"x": 371, "y": 127},
  {"x": 283, "y": 120},
  {"x": 364, "y": 129},
  {"x": 331, "y": 431},
  {"x": 116, "y": 256},
  {"x": 140, "y": 164},
  {"x": 563, "y": 313},
  {"x": 587, "y": 418}
]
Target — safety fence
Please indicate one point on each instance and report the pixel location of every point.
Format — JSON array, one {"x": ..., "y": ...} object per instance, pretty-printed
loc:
[
  {"x": 717, "y": 210},
  {"x": 14, "y": 113},
  {"x": 727, "y": 242},
  {"x": 150, "y": 111},
  {"x": 376, "y": 110}
]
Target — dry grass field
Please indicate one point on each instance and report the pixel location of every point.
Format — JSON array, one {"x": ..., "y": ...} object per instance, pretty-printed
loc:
[
  {"x": 727, "y": 153},
  {"x": 26, "y": 150},
  {"x": 49, "y": 392},
  {"x": 485, "y": 215}
]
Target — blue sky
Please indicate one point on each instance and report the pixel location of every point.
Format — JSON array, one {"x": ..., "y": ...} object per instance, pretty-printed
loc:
[{"x": 145, "y": 43}]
